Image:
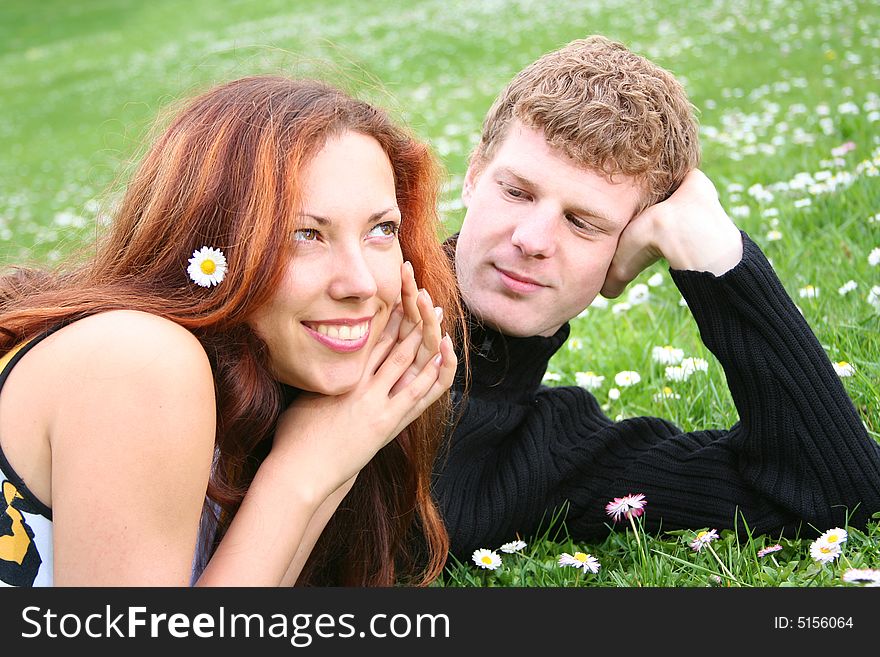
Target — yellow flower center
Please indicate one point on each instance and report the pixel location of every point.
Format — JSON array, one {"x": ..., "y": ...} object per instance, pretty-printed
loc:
[
  {"x": 825, "y": 549},
  {"x": 702, "y": 535},
  {"x": 580, "y": 556},
  {"x": 486, "y": 559},
  {"x": 208, "y": 267},
  {"x": 667, "y": 390},
  {"x": 842, "y": 363},
  {"x": 833, "y": 538}
]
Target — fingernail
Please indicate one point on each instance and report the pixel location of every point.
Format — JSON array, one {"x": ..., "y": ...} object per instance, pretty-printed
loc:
[
  {"x": 439, "y": 312},
  {"x": 438, "y": 360}
]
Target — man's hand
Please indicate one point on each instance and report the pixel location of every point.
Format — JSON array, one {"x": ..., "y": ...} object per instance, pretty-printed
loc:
[{"x": 689, "y": 229}]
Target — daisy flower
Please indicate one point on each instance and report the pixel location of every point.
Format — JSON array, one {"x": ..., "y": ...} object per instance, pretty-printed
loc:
[
  {"x": 874, "y": 257},
  {"x": 488, "y": 559},
  {"x": 551, "y": 376},
  {"x": 808, "y": 292},
  {"x": 621, "y": 307},
  {"x": 613, "y": 394},
  {"x": 627, "y": 378},
  {"x": 843, "y": 368},
  {"x": 599, "y": 302},
  {"x": 824, "y": 552},
  {"x": 586, "y": 562},
  {"x": 774, "y": 236},
  {"x": 638, "y": 293},
  {"x": 513, "y": 546},
  {"x": 629, "y": 506},
  {"x": 849, "y": 286},
  {"x": 589, "y": 380},
  {"x": 763, "y": 552},
  {"x": 207, "y": 266},
  {"x": 575, "y": 344},
  {"x": 703, "y": 539},
  {"x": 874, "y": 297},
  {"x": 866, "y": 576},
  {"x": 655, "y": 280},
  {"x": 695, "y": 364},
  {"x": 666, "y": 393},
  {"x": 834, "y": 536},
  {"x": 677, "y": 373},
  {"x": 667, "y": 355}
]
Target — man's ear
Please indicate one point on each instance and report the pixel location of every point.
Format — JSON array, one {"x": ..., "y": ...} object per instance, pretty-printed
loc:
[{"x": 470, "y": 181}]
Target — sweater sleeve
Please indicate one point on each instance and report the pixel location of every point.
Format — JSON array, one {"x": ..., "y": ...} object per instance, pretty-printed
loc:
[{"x": 799, "y": 453}]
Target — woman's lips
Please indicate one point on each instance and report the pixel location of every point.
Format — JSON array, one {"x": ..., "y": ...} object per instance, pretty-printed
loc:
[{"x": 340, "y": 335}]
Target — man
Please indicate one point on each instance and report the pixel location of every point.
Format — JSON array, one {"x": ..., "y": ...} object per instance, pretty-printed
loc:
[{"x": 568, "y": 195}]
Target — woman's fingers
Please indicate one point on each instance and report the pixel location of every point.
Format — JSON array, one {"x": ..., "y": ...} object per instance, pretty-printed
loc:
[
  {"x": 398, "y": 360},
  {"x": 387, "y": 340},
  {"x": 427, "y": 387},
  {"x": 409, "y": 293},
  {"x": 431, "y": 318}
]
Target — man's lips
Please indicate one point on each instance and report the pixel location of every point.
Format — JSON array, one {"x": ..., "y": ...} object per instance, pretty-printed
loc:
[
  {"x": 342, "y": 335},
  {"x": 518, "y": 282}
]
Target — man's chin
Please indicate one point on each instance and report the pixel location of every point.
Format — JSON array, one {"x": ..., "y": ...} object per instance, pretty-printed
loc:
[{"x": 512, "y": 324}]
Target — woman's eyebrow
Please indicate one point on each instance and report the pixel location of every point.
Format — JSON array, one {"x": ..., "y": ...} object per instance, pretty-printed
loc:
[{"x": 324, "y": 221}]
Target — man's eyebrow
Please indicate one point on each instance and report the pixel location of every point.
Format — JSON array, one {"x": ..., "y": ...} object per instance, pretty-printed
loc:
[
  {"x": 580, "y": 211},
  {"x": 324, "y": 221}
]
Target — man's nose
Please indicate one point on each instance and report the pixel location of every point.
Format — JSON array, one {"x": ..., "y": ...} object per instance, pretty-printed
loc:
[{"x": 535, "y": 234}]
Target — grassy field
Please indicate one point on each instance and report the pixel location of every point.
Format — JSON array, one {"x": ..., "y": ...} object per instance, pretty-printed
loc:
[{"x": 790, "y": 122}]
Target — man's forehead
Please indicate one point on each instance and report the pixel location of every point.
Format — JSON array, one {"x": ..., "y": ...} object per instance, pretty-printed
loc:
[{"x": 522, "y": 158}]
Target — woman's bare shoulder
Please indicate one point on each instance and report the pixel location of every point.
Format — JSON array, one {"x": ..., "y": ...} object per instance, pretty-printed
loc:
[
  {"x": 124, "y": 352},
  {"x": 126, "y": 341}
]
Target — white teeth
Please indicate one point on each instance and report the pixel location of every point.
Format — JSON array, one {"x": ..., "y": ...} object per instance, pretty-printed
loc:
[{"x": 342, "y": 332}]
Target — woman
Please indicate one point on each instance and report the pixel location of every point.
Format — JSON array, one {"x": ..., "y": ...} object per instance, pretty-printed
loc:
[{"x": 249, "y": 327}]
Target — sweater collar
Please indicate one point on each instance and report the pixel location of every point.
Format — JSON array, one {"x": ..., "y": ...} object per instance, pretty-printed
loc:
[{"x": 508, "y": 366}]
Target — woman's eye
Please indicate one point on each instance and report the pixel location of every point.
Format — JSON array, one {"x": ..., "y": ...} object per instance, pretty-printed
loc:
[
  {"x": 385, "y": 229},
  {"x": 305, "y": 235}
]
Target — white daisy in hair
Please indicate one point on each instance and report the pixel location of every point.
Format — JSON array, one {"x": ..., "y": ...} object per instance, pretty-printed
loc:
[{"x": 207, "y": 266}]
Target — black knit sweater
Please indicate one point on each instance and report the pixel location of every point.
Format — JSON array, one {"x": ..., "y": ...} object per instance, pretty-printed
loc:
[{"x": 799, "y": 455}]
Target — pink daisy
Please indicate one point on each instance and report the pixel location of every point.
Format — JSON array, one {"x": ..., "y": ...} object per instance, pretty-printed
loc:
[
  {"x": 763, "y": 552},
  {"x": 703, "y": 539},
  {"x": 630, "y": 506}
]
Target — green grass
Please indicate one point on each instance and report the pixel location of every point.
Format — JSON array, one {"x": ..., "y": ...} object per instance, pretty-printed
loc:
[
  {"x": 669, "y": 560},
  {"x": 778, "y": 86}
]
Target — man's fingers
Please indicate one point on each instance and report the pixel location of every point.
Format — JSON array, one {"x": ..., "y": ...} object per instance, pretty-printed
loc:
[{"x": 635, "y": 252}]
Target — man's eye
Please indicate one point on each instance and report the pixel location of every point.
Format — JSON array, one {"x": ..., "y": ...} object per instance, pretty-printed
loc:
[
  {"x": 305, "y": 235},
  {"x": 385, "y": 229},
  {"x": 580, "y": 224}
]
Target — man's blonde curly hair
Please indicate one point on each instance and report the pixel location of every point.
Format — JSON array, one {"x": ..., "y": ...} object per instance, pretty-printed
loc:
[{"x": 607, "y": 109}]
